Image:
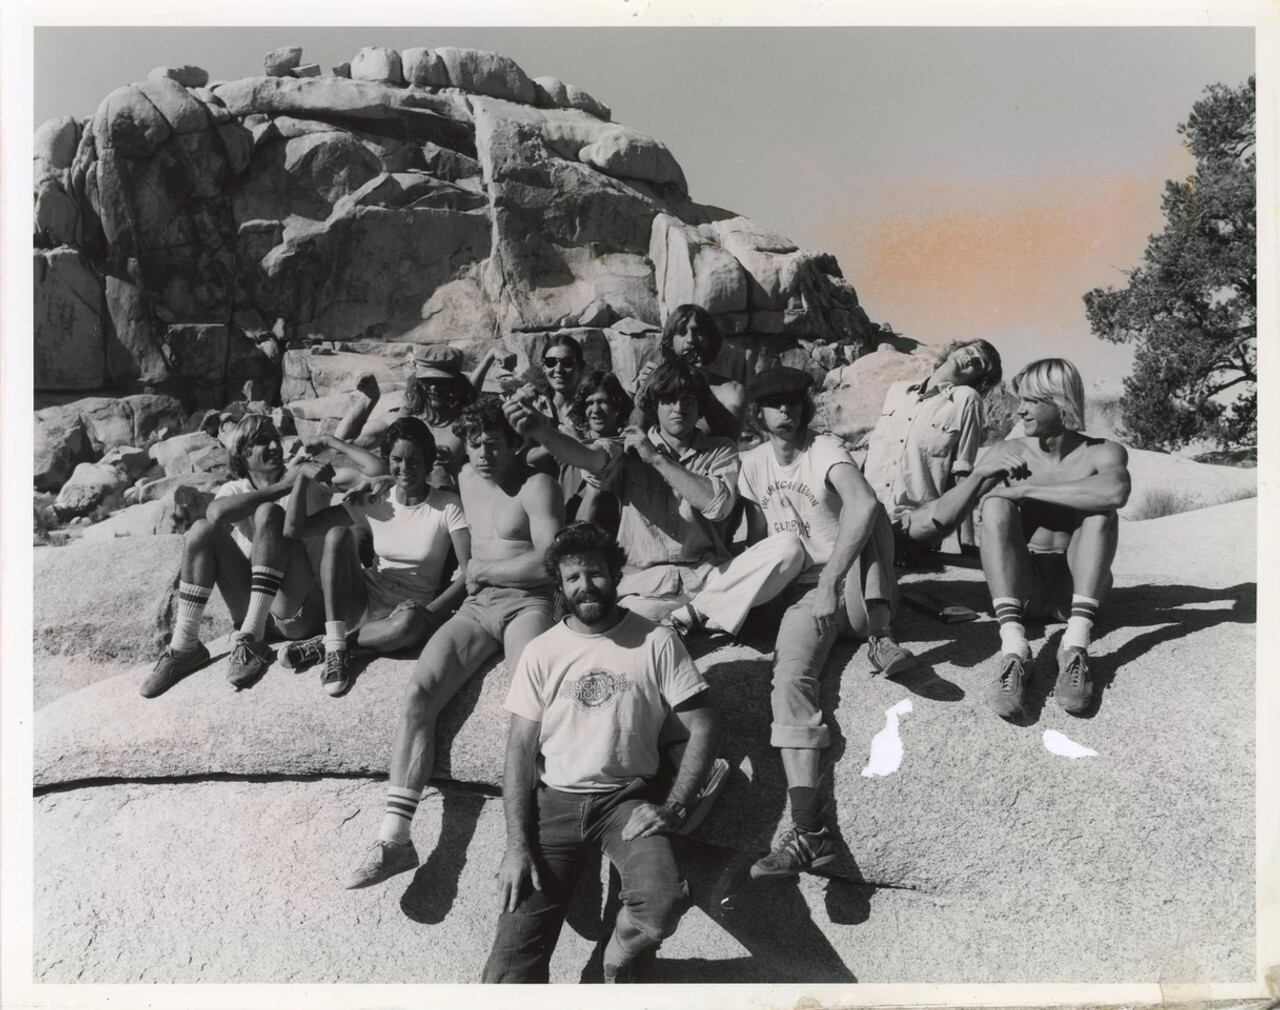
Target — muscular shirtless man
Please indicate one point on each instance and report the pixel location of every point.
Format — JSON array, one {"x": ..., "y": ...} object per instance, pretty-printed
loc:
[
  {"x": 513, "y": 513},
  {"x": 1048, "y": 541}
]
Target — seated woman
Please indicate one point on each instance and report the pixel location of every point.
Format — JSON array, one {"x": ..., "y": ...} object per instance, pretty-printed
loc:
[
  {"x": 397, "y": 604},
  {"x": 598, "y": 412}
]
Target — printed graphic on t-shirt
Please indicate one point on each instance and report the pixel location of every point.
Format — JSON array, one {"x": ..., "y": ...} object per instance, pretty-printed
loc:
[
  {"x": 796, "y": 487},
  {"x": 596, "y": 688}
]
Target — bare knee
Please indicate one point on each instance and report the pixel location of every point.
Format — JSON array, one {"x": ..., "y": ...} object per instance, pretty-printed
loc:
[
  {"x": 200, "y": 536},
  {"x": 423, "y": 698},
  {"x": 1101, "y": 522},
  {"x": 337, "y": 538},
  {"x": 268, "y": 515},
  {"x": 1001, "y": 513}
]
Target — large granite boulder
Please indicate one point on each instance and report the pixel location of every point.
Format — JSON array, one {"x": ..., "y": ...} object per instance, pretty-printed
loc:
[{"x": 435, "y": 194}]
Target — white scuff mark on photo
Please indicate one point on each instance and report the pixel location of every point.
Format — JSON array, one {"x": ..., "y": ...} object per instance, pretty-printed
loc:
[
  {"x": 886, "y": 746},
  {"x": 1063, "y": 746}
]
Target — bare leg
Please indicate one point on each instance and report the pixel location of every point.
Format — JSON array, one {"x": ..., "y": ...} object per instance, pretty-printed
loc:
[
  {"x": 880, "y": 583},
  {"x": 800, "y": 766},
  {"x": 210, "y": 557},
  {"x": 1091, "y": 552},
  {"x": 341, "y": 577},
  {"x": 1006, "y": 562},
  {"x": 451, "y": 656},
  {"x": 402, "y": 630},
  {"x": 298, "y": 600}
]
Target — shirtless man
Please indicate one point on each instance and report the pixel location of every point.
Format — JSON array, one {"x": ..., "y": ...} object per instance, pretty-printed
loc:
[
  {"x": 513, "y": 513},
  {"x": 691, "y": 336},
  {"x": 1048, "y": 541}
]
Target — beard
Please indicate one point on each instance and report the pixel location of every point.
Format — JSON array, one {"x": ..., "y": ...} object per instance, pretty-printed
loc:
[{"x": 591, "y": 606}]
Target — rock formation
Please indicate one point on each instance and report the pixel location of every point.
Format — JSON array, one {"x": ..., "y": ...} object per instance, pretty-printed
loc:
[{"x": 191, "y": 229}]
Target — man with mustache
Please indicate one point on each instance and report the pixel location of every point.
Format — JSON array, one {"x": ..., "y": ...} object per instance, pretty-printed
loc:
[
  {"x": 513, "y": 513},
  {"x": 588, "y": 703}
]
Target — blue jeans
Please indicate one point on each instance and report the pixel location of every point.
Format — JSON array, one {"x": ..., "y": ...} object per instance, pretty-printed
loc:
[{"x": 570, "y": 825}]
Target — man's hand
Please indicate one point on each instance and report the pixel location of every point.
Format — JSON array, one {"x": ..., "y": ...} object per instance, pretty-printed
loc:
[
  {"x": 1013, "y": 492},
  {"x": 649, "y": 819},
  {"x": 826, "y": 606},
  {"x": 475, "y": 576},
  {"x": 368, "y": 489},
  {"x": 517, "y": 871},
  {"x": 1007, "y": 460},
  {"x": 642, "y": 376},
  {"x": 524, "y": 417},
  {"x": 320, "y": 473},
  {"x": 635, "y": 439}
]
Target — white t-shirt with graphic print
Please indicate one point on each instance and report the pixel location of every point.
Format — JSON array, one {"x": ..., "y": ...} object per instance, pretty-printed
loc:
[
  {"x": 797, "y": 498},
  {"x": 602, "y": 700}
]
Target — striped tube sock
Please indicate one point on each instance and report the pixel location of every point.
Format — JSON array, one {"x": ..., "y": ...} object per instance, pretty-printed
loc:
[
  {"x": 335, "y": 636},
  {"x": 1013, "y": 634},
  {"x": 264, "y": 583},
  {"x": 186, "y": 621},
  {"x": 402, "y": 804},
  {"x": 1084, "y": 612}
]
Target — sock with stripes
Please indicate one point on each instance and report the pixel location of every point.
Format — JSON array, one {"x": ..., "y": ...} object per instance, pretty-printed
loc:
[
  {"x": 1013, "y": 634},
  {"x": 335, "y": 636},
  {"x": 1080, "y": 625},
  {"x": 192, "y": 600},
  {"x": 264, "y": 583},
  {"x": 402, "y": 804}
]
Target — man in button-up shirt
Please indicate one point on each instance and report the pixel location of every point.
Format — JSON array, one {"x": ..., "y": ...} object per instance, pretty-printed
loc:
[
  {"x": 928, "y": 438},
  {"x": 676, "y": 485}
]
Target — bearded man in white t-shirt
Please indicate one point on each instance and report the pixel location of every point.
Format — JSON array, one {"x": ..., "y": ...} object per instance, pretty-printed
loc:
[
  {"x": 806, "y": 497},
  {"x": 589, "y": 700}
]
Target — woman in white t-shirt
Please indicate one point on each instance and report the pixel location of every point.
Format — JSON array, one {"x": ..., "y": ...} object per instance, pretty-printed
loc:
[{"x": 398, "y": 603}]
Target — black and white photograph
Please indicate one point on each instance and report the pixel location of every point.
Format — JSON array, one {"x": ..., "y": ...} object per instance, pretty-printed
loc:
[{"x": 647, "y": 500}]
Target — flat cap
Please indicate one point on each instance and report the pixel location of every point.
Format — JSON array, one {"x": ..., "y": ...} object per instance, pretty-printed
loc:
[
  {"x": 779, "y": 381},
  {"x": 437, "y": 361}
]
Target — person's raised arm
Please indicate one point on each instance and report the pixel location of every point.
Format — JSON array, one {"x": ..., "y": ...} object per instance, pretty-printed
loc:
[
  {"x": 299, "y": 525},
  {"x": 234, "y": 507},
  {"x": 1105, "y": 490},
  {"x": 531, "y": 422},
  {"x": 519, "y": 868},
  {"x": 711, "y": 494},
  {"x": 368, "y": 463}
]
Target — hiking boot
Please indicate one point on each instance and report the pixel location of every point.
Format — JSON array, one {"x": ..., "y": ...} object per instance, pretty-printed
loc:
[
  {"x": 1074, "y": 690},
  {"x": 1005, "y": 695},
  {"x": 888, "y": 657},
  {"x": 796, "y": 852},
  {"x": 171, "y": 667},
  {"x": 298, "y": 656},
  {"x": 337, "y": 673},
  {"x": 382, "y": 862},
  {"x": 701, "y": 804},
  {"x": 249, "y": 660}
]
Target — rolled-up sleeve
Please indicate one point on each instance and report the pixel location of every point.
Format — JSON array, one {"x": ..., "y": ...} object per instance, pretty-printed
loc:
[{"x": 722, "y": 470}]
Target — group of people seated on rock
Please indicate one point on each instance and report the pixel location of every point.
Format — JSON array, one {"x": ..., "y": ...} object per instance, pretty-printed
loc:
[{"x": 591, "y": 535}]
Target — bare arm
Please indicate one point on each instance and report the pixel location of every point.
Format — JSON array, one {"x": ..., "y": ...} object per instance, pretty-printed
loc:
[
  {"x": 934, "y": 520},
  {"x": 648, "y": 818},
  {"x": 518, "y": 868},
  {"x": 858, "y": 506},
  {"x": 1106, "y": 490},
  {"x": 532, "y": 422},
  {"x": 543, "y": 503},
  {"x": 368, "y": 463},
  {"x": 757, "y": 525},
  {"x": 234, "y": 507},
  {"x": 299, "y": 525},
  {"x": 457, "y": 589}
]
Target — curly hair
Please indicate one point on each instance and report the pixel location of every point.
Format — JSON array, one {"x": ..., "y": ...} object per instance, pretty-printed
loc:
[
  {"x": 580, "y": 539},
  {"x": 245, "y": 433},
  {"x": 682, "y": 316},
  {"x": 483, "y": 417},
  {"x": 599, "y": 381},
  {"x": 456, "y": 393},
  {"x": 412, "y": 430},
  {"x": 671, "y": 379}
]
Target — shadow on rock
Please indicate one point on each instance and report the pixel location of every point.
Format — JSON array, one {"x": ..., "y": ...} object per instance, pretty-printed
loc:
[{"x": 434, "y": 888}]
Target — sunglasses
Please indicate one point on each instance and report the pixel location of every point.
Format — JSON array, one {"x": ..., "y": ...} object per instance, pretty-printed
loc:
[
  {"x": 265, "y": 438},
  {"x": 567, "y": 363}
]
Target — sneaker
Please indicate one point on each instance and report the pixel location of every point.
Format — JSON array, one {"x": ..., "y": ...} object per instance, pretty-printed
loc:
[
  {"x": 1004, "y": 697},
  {"x": 701, "y": 804},
  {"x": 382, "y": 862},
  {"x": 298, "y": 656},
  {"x": 1074, "y": 690},
  {"x": 888, "y": 657},
  {"x": 171, "y": 667},
  {"x": 249, "y": 660},
  {"x": 337, "y": 673},
  {"x": 796, "y": 852}
]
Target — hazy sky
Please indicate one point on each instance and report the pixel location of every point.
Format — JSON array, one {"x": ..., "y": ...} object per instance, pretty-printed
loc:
[{"x": 972, "y": 182}]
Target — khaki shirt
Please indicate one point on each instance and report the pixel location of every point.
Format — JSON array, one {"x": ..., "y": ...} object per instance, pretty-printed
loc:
[
  {"x": 656, "y": 526},
  {"x": 922, "y": 444}
]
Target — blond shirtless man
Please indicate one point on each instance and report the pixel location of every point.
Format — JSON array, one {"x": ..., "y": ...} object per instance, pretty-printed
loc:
[
  {"x": 1048, "y": 540},
  {"x": 513, "y": 513}
]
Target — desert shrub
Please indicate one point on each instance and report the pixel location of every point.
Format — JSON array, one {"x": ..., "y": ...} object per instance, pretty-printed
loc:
[
  {"x": 45, "y": 530},
  {"x": 997, "y": 414},
  {"x": 1164, "y": 501}
]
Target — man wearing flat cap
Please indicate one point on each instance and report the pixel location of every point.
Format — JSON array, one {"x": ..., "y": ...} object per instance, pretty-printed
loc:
[{"x": 813, "y": 515}]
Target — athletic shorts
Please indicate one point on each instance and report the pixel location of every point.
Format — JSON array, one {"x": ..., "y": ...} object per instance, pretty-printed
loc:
[
  {"x": 385, "y": 597},
  {"x": 494, "y": 607}
]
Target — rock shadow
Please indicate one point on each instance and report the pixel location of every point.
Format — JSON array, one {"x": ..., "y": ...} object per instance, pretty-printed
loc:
[{"x": 434, "y": 888}]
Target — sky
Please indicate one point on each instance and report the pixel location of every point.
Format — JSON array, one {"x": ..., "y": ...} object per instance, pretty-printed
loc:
[{"x": 972, "y": 182}]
